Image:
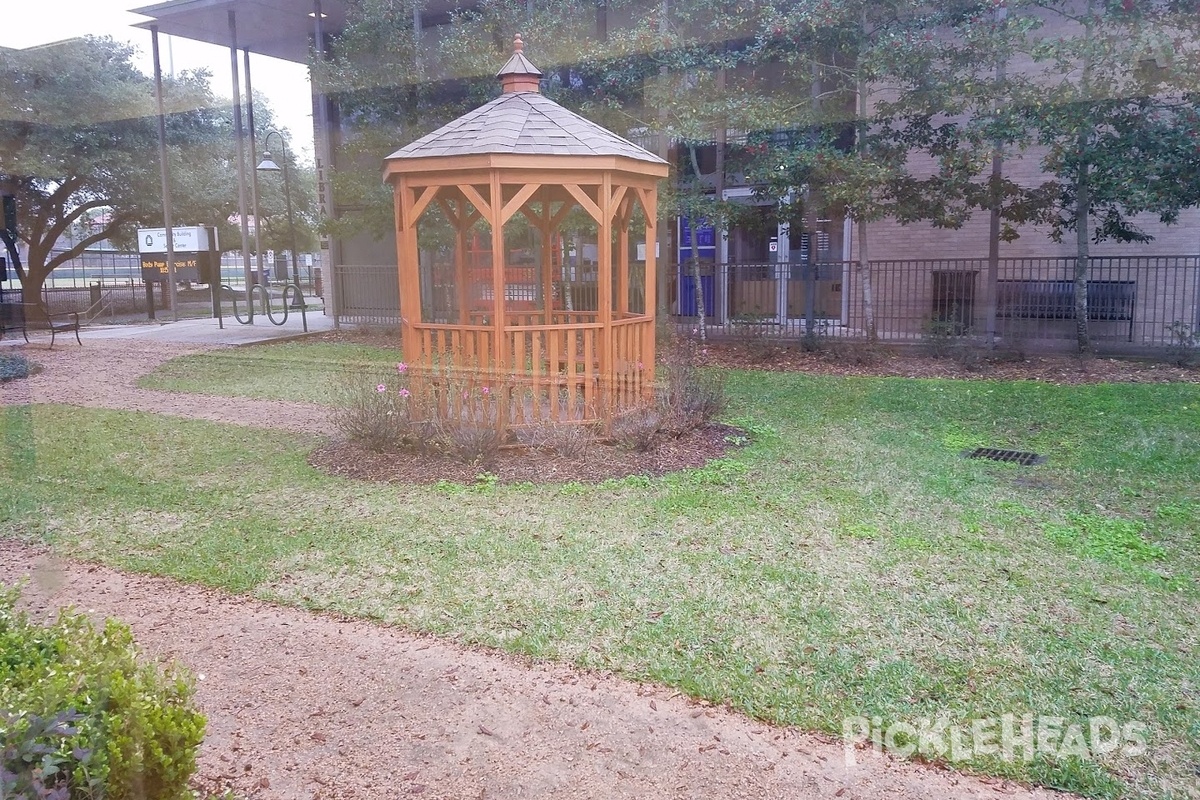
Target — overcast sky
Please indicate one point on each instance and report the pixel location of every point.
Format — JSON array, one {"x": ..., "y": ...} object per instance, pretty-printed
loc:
[{"x": 28, "y": 24}]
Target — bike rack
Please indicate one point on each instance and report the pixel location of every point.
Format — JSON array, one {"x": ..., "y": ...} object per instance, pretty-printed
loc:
[{"x": 259, "y": 291}]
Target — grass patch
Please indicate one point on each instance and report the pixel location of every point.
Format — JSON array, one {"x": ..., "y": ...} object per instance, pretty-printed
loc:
[
  {"x": 847, "y": 562},
  {"x": 300, "y": 371}
]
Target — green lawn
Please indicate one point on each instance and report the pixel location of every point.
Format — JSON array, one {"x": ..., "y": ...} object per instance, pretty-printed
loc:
[
  {"x": 300, "y": 371},
  {"x": 846, "y": 563}
]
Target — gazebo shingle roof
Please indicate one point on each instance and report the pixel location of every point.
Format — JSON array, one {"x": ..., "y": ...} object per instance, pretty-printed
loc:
[{"x": 523, "y": 123}]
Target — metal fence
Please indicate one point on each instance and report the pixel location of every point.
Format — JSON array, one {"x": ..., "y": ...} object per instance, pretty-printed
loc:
[
  {"x": 1133, "y": 301},
  {"x": 366, "y": 293},
  {"x": 116, "y": 268}
]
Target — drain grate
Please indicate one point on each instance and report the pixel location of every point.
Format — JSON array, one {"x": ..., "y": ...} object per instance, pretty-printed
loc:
[{"x": 1010, "y": 456}]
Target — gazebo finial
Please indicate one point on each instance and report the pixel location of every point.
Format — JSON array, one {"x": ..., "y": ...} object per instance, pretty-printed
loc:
[{"x": 518, "y": 74}]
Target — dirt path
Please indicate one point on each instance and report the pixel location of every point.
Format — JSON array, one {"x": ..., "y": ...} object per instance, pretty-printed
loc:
[
  {"x": 308, "y": 706},
  {"x": 104, "y": 374}
]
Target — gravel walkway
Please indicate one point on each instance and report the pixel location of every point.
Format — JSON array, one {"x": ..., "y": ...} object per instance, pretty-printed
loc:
[
  {"x": 104, "y": 374},
  {"x": 308, "y": 706}
]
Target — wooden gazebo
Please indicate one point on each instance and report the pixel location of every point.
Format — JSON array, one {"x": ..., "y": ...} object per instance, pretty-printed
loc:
[{"x": 546, "y": 331}]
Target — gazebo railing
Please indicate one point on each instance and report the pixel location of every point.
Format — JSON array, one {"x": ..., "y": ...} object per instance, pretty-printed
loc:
[
  {"x": 633, "y": 340},
  {"x": 442, "y": 343},
  {"x": 533, "y": 318},
  {"x": 558, "y": 366},
  {"x": 550, "y": 372}
]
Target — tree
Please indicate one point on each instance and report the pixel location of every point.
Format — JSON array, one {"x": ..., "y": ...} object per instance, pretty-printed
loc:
[
  {"x": 81, "y": 146},
  {"x": 1103, "y": 96},
  {"x": 1110, "y": 105}
]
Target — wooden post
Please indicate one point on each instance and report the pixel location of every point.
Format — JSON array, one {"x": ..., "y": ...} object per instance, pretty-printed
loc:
[
  {"x": 622, "y": 220},
  {"x": 547, "y": 231},
  {"x": 460, "y": 269},
  {"x": 407, "y": 259},
  {"x": 604, "y": 286},
  {"x": 650, "y": 206},
  {"x": 500, "y": 357}
]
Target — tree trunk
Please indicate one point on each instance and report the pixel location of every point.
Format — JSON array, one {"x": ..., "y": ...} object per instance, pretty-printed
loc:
[
  {"x": 1082, "y": 207},
  {"x": 31, "y": 289},
  {"x": 34, "y": 276},
  {"x": 864, "y": 264},
  {"x": 697, "y": 286},
  {"x": 864, "y": 280}
]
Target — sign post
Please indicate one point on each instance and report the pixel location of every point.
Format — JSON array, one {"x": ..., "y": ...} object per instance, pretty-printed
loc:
[{"x": 192, "y": 256}]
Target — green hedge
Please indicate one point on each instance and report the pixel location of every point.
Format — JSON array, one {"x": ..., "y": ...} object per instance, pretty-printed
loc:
[{"x": 83, "y": 717}]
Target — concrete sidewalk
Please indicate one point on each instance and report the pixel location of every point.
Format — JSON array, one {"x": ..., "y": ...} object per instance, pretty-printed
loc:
[{"x": 189, "y": 331}]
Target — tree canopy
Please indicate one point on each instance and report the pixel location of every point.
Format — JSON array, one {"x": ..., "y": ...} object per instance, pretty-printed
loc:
[
  {"x": 79, "y": 151},
  {"x": 881, "y": 109}
]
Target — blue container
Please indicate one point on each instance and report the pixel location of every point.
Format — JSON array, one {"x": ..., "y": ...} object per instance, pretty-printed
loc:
[{"x": 687, "y": 294}]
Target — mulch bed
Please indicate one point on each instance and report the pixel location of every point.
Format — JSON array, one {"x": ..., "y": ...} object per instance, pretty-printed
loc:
[
  {"x": 599, "y": 463},
  {"x": 697, "y": 448},
  {"x": 851, "y": 359},
  {"x": 1056, "y": 369}
]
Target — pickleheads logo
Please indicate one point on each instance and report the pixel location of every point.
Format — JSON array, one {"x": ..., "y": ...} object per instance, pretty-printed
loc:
[{"x": 1010, "y": 737}]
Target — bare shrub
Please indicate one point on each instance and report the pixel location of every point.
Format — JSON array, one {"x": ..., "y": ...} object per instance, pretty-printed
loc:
[
  {"x": 940, "y": 337},
  {"x": 468, "y": 441},
  {"x": 690, "y": 397},
  {"x": 461, "y": 416},
  {"x": 1011, "y": 350},
  {"x": 817, "y": 339},
  {"x": 955, "y": 340},
  {"x": 1183, "y": 346},
  {"x": 755, "y": 336},
  {"x": 373, "y": 412},
  {"x": 636, "y": 428},
  {"x": 565, "y": 439}
]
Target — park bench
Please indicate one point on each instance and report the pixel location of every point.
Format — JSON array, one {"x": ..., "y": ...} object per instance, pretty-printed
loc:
[
  {"x": 1049, "y": 299},
  {"x": 35, "y": 316}
]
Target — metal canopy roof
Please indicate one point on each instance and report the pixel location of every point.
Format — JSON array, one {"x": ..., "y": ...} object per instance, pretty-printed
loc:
[{"x": 278, "y": 28}]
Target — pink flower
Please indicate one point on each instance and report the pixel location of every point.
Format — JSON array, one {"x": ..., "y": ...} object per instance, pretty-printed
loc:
[
  {"x": 381, "y": 388},
  {"x": 640, "y": 365},
  {"x": 466, "y": 394},
  {"x": 485, "y": 390},
  {"x": 402, "y": 368},
  {"x": 405, "y": 393}
]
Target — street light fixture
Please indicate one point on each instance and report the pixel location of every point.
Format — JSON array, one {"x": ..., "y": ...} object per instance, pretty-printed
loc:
[{"x": 268, "y": 165}]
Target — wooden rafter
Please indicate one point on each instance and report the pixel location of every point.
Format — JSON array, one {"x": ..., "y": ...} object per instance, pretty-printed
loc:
[
  {"x": 648, "y": 199},
  {"x": 423, "y": 202},
  {"x": 618, "y": 199},
  {"x": 624, "y": 212},
  {"x": 588, "y": 204},
  {"x": 476, "y": 199},
  {"x": 518, "y": 200},
  {"x": 560, "y": 215}
]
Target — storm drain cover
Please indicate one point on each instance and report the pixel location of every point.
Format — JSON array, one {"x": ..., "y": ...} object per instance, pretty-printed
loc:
[{"x": 1011, "y": 456}]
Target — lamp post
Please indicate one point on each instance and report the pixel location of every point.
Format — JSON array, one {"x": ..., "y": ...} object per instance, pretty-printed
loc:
[{"x": 268, "y": 165}]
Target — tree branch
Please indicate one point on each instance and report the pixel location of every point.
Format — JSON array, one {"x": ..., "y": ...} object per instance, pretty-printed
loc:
[{"x": 83, "y": 244}]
